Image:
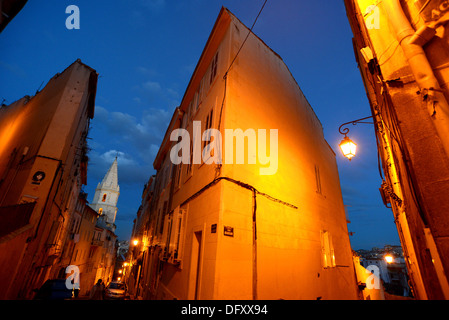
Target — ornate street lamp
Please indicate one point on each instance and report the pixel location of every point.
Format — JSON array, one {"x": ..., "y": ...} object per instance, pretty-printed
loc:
[{"x": 347, "y": 146}]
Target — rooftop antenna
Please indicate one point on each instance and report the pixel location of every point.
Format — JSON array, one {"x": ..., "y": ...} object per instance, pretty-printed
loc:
[{"x": 39, "y": 89}]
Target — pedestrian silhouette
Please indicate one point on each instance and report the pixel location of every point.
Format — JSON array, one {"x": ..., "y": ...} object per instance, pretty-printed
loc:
[
  {"x": 76, "y": 290},
  {"x": 97, "y": 292}
]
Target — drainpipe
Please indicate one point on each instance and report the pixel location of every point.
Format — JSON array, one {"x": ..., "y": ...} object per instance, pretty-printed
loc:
[
  {"x": 254, "y": 259},
  {"x": 422, "y": 70}
]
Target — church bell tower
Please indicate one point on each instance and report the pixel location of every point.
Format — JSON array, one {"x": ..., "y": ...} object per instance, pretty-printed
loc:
[{"x": 106, "y": 195}]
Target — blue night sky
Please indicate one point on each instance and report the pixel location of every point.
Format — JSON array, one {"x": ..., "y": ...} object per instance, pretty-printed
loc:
[{"x": 145, "y": 52}]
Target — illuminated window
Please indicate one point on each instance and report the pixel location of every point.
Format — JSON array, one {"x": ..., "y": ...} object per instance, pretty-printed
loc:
[
  {"x": 104, "y": 198},
  {"x": 100, "y": 211}
]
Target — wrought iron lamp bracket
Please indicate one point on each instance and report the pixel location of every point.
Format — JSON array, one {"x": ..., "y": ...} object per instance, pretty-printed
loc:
[{"x": 343, "y": 130}]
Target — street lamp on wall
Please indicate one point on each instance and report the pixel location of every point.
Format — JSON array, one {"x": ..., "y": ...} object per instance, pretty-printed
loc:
[{"x": 347, "y": 146}]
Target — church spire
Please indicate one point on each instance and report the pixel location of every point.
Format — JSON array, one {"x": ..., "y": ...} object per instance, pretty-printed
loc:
[
  {"x": 107, "y": 193},
  {"x": 110, "y": 180}
]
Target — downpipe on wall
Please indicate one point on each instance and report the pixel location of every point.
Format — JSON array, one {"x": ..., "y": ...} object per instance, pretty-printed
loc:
[
  {"x": 412, "y": 42},
  {"x": 437, "y": 103}
]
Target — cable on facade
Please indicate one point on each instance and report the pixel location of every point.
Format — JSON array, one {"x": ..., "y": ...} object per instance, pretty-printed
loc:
[
  {"x": 254, "y": 259},
  {"x": 394, "y": 134},
  {"x": 241, "y": 184},
  {"x": 255, "y": 192},
  {"x": 249, "y": 32},
  {"x": 218, "y": 167},
  {"x": 225, "y": 77}
]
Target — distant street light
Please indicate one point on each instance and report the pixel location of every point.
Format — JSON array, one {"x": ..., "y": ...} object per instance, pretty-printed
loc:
[
  {"x": 347, "y": 146},
  {"x": 389, "y": 258},
  {"x": 136, "y": 242}
]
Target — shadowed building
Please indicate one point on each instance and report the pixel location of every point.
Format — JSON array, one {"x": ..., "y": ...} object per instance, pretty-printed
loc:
[
  {"x": 43, "y": 165},
  {"x": 8, "y": 10},
  {"x": 79, "y": 249}
]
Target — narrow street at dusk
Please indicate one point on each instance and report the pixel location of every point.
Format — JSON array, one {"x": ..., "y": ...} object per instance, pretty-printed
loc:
[{"x": 224, "y": 158}]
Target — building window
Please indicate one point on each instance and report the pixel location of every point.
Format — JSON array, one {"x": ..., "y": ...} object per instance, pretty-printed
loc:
[
  {"x": 318, "y": 179},
  {"x": 189, "y": 167},
  {"x": 184, "y": 120},
  {"x": 100, "y": 211},
  {"x": 196, "y": 104},
  {"x": 327, "y": 250},
  {"x": 173, "y": 236},
  {"x": 189, "y": 112},
  {"x": 162, "y": 214},
  {"x": 178, "y": 175},
  {"x": 178, "y": 171},
  {"x": 213, "y": 68},
  {"x": 91, "y": 252},
  {"x": 104, "y": 198},
  {"x": 209, "y": 120},
  {"x": 200, "y": 92}
]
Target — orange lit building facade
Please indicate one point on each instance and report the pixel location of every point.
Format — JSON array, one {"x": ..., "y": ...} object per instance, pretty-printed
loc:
[
  {"x": 227, "y": 231},
  {"x": 43, "y": 165},
  {"x": 402, "y": 51}
]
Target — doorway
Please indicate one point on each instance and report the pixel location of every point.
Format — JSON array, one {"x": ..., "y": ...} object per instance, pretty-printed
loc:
[{"x": 195, "y": 266}]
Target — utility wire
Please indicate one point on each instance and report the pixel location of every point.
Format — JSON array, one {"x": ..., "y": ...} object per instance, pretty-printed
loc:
[
  {"x": 241, "y": 184},
  {"x": 225, "y": 77},
  {"x": 249, "y": 32}
]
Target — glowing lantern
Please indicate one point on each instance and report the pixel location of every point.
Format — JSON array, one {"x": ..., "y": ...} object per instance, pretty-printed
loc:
[{"x": 348, "y": 147}]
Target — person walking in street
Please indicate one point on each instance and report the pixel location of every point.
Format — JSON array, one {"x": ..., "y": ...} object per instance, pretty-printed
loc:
[{"x": 97, "y": 292}]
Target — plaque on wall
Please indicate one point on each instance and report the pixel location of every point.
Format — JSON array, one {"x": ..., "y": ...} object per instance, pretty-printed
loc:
[{"x": 228, "y": 231}]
